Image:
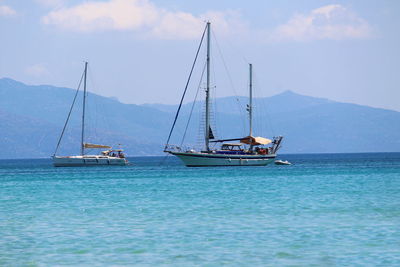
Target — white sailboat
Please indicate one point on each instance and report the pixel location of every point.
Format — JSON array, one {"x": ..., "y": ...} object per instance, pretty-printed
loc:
[
  {"x": 229, "y": 154},
  {"x": 108, "y": 157}
]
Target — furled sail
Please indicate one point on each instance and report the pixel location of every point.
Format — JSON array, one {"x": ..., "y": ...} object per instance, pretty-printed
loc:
[{"x": 87, "y": 145}]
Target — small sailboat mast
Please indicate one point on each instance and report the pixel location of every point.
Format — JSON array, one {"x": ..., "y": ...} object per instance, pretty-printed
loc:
[
  {"x": 83, "y": 111},
  {"x": 207, "y": 130}
]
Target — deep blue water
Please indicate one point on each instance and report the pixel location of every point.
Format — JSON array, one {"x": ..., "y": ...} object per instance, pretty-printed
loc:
[{"x": 325, "y": 210}]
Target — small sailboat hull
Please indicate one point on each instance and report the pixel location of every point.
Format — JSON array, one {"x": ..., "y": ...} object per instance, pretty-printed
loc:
[
  {"x": 105, "y": 159},
  {"x": 210, "y": 159},
  {"x": 83, "y": 161}
]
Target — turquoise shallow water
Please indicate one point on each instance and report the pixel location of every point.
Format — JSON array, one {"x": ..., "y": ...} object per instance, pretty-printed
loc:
[{"x": 325, "y": 210}]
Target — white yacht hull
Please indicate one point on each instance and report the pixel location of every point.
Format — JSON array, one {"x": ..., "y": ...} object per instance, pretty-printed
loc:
[
  {"x": 81, "y": 161},
  {"x": 209, "y": 159}
]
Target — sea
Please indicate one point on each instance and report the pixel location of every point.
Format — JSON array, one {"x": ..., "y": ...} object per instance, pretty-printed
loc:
[{"x": 323, "y": 210}]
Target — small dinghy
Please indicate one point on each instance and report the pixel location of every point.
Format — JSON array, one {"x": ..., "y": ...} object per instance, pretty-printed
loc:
[{"x": 282, "y": 162}]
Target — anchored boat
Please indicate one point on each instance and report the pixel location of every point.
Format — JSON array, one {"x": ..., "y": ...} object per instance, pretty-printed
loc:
[
  {"x": 107, "y": 157},
  {"x": 256, "y": 152}
]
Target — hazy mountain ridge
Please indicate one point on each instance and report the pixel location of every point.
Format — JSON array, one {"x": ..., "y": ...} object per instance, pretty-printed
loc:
[
  {"x": 283, "y": 102},
  {"x": 31, "y": 119},
  {"x": 46, "y": 107}
]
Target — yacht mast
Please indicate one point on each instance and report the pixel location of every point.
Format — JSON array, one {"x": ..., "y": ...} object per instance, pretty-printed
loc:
[
  {"x": 250, "y": 108},
  {"x": 207, "y": 132},
  {"x": 83, "y": 111}
]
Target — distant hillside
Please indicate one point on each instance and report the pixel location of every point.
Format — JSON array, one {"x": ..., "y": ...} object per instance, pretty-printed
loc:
[
  {"x": 284, "y": 102},
  {"x": 31, "y": 119},
  {"x": 309, "y": 124},
  {"x": 39, "y": 112}
]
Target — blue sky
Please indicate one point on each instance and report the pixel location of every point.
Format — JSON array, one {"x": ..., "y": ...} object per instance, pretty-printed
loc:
[{"x": 140, "y": 51}]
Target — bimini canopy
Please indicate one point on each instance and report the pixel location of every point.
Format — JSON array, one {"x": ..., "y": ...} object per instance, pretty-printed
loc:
[
  {"x": 87, "y": 145},
  {"x": 255, "y": 141},
  {"x": 250, "y": 140}
]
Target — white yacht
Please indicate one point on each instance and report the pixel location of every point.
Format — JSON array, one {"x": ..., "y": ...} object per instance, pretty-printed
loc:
[
  {"x": 256, "y": 153},
  {"x": 105, "y": 158}
]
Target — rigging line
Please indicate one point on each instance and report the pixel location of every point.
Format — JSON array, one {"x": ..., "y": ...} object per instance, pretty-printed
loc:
[
  {"x": 215, "y": 112},
  {"x": 230, "y": 80},
  {"x": 214, "y": 106},
  {"x": 213, "y": 97},
  {"x": 258, "y": 122},
  {"x": 194, "y": 103},
  {"x": 258, "y": 106},
  {"x": 92, "y": 113},
  {"x": 238, "y": 52},
  {"x": 101, "y": 117},
  {"x": 257, "y": 127},
  {"x": 265, "y": 109},
  {"x": 69, "y": 115},
  {"x": 186, "y": 87},
  {"x": 96, "y": 113},
  {"x": 269, "y": 119}
]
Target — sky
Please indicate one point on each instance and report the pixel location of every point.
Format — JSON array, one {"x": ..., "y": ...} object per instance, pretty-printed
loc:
[{"x": 141, "y": 51}]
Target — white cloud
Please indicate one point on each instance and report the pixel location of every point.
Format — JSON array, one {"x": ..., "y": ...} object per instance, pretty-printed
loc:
[
  {"x": 227, "y": 23},
  {"x": 6, "y": 11},
  {"x": 37, "y": 70},
  {"x": 333, "y": 22},
  {"x": 111, "y": 15},
  {"x": 181, "y": 25},
  {"x": 137, "y": 15}
]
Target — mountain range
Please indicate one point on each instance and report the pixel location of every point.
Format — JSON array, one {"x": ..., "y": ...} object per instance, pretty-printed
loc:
[{"x": 32, "y": 117}]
